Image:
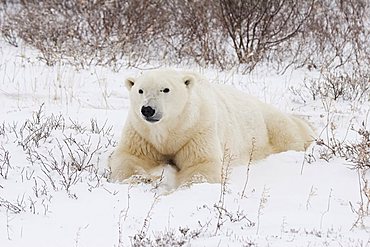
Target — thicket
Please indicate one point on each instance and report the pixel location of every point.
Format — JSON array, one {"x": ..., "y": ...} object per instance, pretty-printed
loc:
[{"x": 223, "y": 33}]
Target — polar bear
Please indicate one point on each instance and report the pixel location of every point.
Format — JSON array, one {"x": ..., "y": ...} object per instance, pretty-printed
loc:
[{"x": 179, "y": 118}]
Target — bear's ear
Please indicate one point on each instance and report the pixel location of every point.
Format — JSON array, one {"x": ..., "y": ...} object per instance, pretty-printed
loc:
[
  {"x": 129, "y": 82},
  {"x": 189, "y": 81}
]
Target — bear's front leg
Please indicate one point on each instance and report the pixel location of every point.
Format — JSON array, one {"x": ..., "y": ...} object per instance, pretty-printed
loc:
[
  {"x": 124, "y": 165},
  {"x": 200, "y": 160},
  {"x": 200, "y": 172}
]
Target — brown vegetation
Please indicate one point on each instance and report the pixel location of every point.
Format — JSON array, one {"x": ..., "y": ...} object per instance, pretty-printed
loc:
[{"x": 225, "y": 33}]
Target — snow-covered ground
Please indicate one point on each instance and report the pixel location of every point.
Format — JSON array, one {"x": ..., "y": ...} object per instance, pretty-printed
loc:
[{"x": 59, "y": 125}]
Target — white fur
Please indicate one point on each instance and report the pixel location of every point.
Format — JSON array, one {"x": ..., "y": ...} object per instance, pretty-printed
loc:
[{"x": 200, "y": 123}]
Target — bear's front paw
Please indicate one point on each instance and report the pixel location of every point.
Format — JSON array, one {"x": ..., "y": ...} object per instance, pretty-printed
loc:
[
  {"x": 142, "y": 179},
  {"x": 194, "y": 179},
  {"x": 118, "y": 176}
]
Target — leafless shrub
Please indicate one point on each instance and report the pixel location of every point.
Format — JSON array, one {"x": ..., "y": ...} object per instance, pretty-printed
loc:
[
  {"x": 327, "y": 209},
  {"x": 309, "y": 157},
  {"x": 313, "y": 193},
  {"x": 194, "y": 33},
  {"x": 10, "y": 206},
  {"x": 362, "y": 208},
  {"x": 337, "y": 34},
  {"x": 317, "y": 34},
  {"x": 4, "y": 162},
  {"x": 335, "y": 85},
  {"x": 85, "y": 32},
  {"x": 225, "y": 172},
  {"x": 227, "y": 32},
  {"x": 66, "y": 163},
  {"x": 38, "y": 129},
  {"x": 167, "y": 238},
  {"x": 141, "y": 239},
  {"x": 263, "y": 202},
  {"x": 222, "y": 213},
  {"x": 2, "y": 129},
  {"x": 96, "y": 129},
  {"x": 66, "y": 152},
  {"x": 248, "y": 167},
  {"x": 78, "y": 127},
  {"x": 227, "y": 215},
  {"x": 123, "y": 216},
  {"x": 257, "y": 27},
  {"x": 358, "y": 153}
]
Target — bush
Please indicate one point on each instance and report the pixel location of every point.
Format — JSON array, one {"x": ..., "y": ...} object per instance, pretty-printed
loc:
[
  {"x": 325, "y": 34},
  {"x": 86, "y": 32},
  {"x": 345, "y": 86},
  {"x": 336, "y": 35},
  {"x": 194, "y": 33},
  {"x": 258, "y": 27}
]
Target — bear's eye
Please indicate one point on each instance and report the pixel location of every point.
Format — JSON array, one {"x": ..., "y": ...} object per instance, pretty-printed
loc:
[
  {"x": 166, "y": 90},
  {"x": 141, "y": 91}
]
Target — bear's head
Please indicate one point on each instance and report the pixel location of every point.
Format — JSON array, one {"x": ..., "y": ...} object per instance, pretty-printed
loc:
[{"x": 160, "y": 95}]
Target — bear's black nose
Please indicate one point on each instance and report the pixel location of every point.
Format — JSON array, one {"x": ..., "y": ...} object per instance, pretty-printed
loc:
[{"x": 147, "y": 111}]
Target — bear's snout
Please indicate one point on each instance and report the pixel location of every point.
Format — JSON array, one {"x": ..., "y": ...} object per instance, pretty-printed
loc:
[
  {"x": 150, "y": 114},
  {"x": 147, "y": 111}
]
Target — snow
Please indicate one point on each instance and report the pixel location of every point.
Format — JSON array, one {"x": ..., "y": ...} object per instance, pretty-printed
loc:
[{"x": 287, "y": 201}]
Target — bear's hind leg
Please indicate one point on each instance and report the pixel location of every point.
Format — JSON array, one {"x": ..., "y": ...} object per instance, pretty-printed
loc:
[{"x": 288, "y": 133}]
